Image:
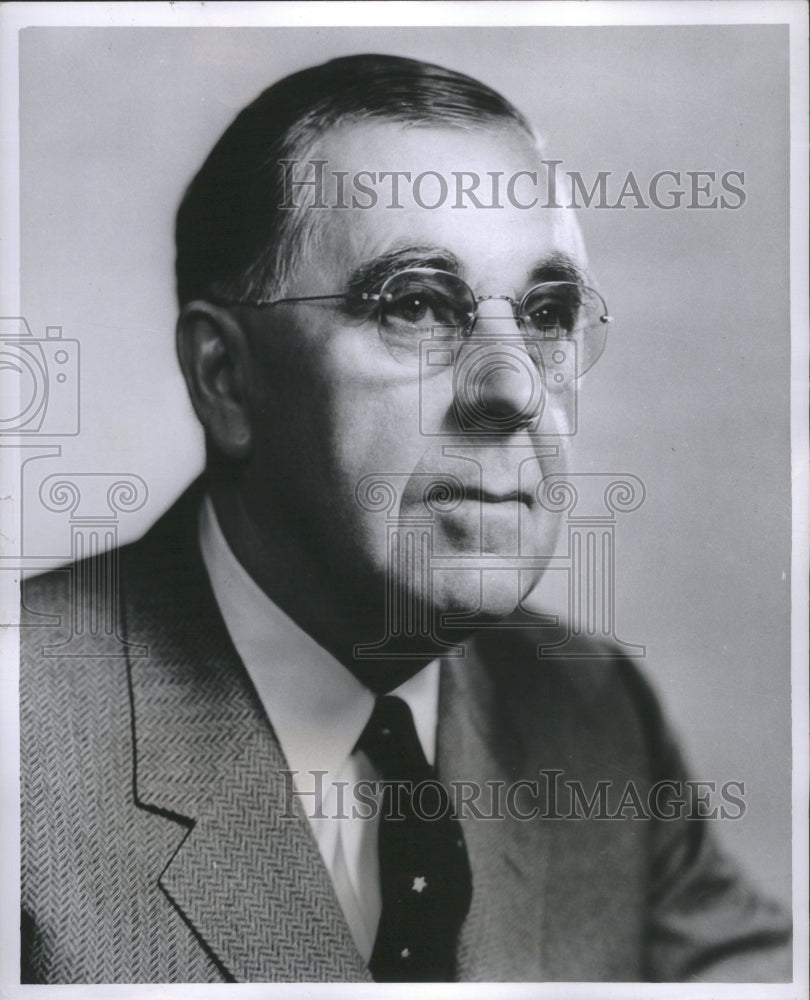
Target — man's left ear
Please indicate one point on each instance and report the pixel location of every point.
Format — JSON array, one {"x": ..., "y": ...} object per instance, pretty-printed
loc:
[{"x": 214, "y": 354}]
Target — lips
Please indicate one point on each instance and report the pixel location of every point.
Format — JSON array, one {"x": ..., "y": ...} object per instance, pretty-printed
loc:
[{"x": 495, "y": 496}]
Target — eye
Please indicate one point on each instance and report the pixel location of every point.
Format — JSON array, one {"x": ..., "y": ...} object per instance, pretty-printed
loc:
[
  {"x": 419, "y": 307},
  {"x": 553, "y": 311},
  {"x": 418, "y": 304},
  {"x": 410, "y": 307},
  {"x": 421, "y": 300}
]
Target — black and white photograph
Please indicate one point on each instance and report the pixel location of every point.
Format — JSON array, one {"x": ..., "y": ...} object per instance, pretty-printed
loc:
[{"x": 404, "y": 543}]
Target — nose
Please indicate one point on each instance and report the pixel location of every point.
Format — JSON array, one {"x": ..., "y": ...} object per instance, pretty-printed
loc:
[{"x": 497, "y": 386}]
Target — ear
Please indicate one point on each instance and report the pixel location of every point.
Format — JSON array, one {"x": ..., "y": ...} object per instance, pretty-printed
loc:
[{"x": 214, "y": 354}]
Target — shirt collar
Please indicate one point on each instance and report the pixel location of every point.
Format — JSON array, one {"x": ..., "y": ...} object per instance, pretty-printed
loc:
[{"x": 317, "y": 707}]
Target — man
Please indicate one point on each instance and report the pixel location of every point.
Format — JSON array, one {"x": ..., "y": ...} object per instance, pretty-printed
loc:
[{"x": 387, "y": 385}]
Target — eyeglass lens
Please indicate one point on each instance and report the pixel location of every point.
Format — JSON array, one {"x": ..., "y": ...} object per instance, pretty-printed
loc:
[{"x": 422, "y": 303}]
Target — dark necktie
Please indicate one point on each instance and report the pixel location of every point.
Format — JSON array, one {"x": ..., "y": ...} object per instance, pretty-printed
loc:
[{"x": 424, "y": 872}]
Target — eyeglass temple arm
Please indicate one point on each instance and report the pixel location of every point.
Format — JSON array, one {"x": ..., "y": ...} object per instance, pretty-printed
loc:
[
  {"x": 307, "y": 298},
  {"x": 375, "y": 297}
]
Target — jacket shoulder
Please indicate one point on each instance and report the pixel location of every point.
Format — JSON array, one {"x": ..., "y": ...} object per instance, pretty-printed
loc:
[
  {"x": 91, "y": 856},
  {"x": 596, "y": 690}
]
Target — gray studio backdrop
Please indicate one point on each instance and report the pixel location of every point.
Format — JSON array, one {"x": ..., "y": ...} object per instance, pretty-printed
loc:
[{"x": 691, "y": 396}]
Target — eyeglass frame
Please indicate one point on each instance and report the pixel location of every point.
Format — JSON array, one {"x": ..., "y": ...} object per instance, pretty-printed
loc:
[{"x": 466, "y": 331}]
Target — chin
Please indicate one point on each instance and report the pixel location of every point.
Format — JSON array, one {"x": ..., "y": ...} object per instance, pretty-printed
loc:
[{"x": 484, "y": 597}]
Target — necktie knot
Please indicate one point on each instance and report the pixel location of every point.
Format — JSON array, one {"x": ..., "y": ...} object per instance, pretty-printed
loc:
[{"x": 391, "y": 742}]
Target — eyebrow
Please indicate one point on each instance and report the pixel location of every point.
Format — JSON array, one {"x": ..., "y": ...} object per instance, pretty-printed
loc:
[
  {"x": 557, "y": 266},
  {"x": 370, "y": 274}
]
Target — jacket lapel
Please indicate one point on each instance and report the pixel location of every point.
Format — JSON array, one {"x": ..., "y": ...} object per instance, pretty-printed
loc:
[
  {"x": 247, "y": 876},
  {"x": 501, "y": 938}
]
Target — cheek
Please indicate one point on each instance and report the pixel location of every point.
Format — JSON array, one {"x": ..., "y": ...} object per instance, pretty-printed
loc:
[
  {"x": 368, "y": 443},
  {"x": 374, "y": 410},
  {"x": 374, "y": 446}
]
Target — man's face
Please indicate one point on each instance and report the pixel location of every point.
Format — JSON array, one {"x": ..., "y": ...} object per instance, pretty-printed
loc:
[{"x": 334, "y": 412}]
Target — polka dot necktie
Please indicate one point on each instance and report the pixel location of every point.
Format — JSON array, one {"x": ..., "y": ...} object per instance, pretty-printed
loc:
[{"x": 424, "y": 872}]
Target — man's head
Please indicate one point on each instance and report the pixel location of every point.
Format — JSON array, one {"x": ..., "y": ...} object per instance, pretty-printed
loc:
[
  {"x": 366, "y": 447},
  {"x": 234, "y": 240}
]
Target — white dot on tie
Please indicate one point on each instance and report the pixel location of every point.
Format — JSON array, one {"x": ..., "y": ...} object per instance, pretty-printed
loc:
[
  {"x": 386, "y": 732},
  {"x": 405, "y": 953},
  {"x": 419, "y": 883}
]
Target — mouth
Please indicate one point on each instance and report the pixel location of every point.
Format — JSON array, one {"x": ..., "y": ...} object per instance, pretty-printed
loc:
[
  {"x": 447, "y": 494},
  {"x": 480, "y": 495}
]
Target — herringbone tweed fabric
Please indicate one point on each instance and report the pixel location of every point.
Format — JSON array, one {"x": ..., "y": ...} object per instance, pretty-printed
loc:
[
  {"x": 155, "y": 846},
  {"x": 88, "y": 851}
]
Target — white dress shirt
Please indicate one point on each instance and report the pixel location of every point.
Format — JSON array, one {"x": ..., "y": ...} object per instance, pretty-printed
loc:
[{"x": 318, "y": 709}]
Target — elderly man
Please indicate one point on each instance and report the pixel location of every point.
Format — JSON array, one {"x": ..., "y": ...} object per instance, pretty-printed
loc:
[{"x": 329, "y": 628}]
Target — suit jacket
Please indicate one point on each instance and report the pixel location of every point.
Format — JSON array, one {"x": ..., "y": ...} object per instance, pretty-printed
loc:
[{"x": 157, "y": 843}]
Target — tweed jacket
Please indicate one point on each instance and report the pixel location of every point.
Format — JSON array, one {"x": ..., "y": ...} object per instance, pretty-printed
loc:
[{"x": 157, "y": 844}]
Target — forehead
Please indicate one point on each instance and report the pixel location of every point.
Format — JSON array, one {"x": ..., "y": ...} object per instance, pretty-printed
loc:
[{"x": 382, "y": 179}]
